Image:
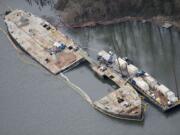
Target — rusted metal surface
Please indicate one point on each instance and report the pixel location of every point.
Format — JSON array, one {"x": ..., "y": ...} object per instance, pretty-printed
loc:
[
  {"x": 32, "y": 35},
  {"x": 121, "y": 103}
]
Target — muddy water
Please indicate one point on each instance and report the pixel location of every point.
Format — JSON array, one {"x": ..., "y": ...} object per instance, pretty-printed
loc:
[{"x": 34, "y": 102}]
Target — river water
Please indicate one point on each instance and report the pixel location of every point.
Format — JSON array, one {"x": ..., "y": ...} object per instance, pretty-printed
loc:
[{"x": 32, "y": 101}]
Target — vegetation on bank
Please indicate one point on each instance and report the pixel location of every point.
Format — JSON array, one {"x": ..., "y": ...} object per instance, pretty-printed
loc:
[{"x": 82, "y": 11}]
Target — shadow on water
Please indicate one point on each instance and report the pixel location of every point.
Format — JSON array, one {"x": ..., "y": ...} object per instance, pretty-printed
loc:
[{"x": 173, "y": 111}]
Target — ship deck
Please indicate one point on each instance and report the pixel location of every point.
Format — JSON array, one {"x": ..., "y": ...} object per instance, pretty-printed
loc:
[{"x": 36, "y": 36}]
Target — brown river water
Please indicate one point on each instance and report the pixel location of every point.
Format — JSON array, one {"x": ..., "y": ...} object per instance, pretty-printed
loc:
[{"x": 33, "y": 102}]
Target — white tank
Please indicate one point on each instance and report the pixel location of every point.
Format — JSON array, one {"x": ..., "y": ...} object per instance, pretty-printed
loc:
[
  {"x": 132, "y": 70},
  {"x": 123, "y": 66},
  {"x": 122, "y": 63},
  {"x": 163, "y": 89},
  {"x": 173, "y": 99},
  {"x": 141, "y": 83},
  {"x": 171, "y": 96},
  {"x": 150, "y": 80},
  {"x": 106, "y": 56}
]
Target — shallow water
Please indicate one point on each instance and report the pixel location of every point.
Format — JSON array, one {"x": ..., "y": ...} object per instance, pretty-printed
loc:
[{"x": 32, "y": 101}]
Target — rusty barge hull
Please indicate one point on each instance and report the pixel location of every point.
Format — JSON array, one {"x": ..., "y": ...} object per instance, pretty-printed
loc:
[
  {"x": 57, "y": 53},
  {"x": 139, "y": 118},
  {"x": 135, "y": 113},
  {"x": 35, "y": 36},
  {"x": 65, "y": 69}
]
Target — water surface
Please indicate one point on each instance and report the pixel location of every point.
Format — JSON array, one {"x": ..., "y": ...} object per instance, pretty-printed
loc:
[{"x": 32, "y": 101}]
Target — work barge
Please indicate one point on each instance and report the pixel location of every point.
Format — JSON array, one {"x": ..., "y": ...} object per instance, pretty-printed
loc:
[{"x": 58, "y": 53}]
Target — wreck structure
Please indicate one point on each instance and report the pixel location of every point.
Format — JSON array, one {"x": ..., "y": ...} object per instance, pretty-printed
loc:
[
  {"x": 144, "y": 83},
  {"x": 58, "y": 53}
]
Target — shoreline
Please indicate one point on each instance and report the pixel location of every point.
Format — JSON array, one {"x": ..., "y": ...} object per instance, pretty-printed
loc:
[{"x": 161, "y": 21}]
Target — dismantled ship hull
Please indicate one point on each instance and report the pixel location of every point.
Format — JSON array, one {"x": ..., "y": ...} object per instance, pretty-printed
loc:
[
  {"x": 122, "y": 104},
  {"x": 42, "y": 41},
  {"x": 56, "y": 52}
]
